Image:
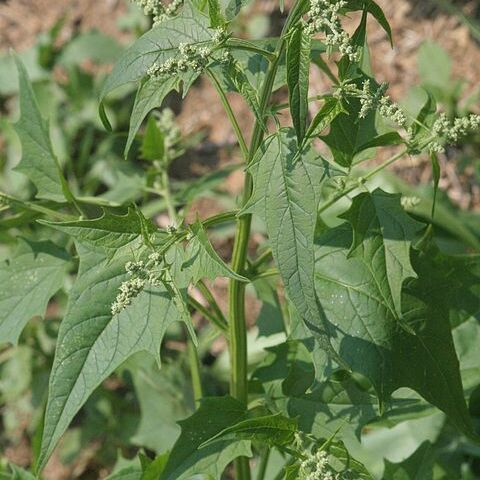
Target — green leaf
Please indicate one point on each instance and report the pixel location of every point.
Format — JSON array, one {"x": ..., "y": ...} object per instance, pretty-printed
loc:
[
  {"x": 242, "y": 85},
  {"x": 342, "y": 461},
  {"x": 386, "y": 139},
  {"x": 285, "y": 194},
  {"x": 38, "y": 162},
  {"x": 232, "y": 7},
  {"x": 133, "y": 472},
  {"x": 158, "y": 45},
  {"x": 424, "y": 116},
  {"x": 164, "y": 397},
  {"x": 215, "y": 14},
  {"x": 92, "y": 342},
  {"x": 156, "y": 468},
  {"x": 150, "y": 95},
  {"x": 349, "y": 134},
  {"x": 415, "y": 350},
  {"x": 270, "y": 319},
  {"x": 187, "y": 459},
  {"x": 111, "y": 235},
  {"x": 202, "y": 260},
  {"x": 270, "y": 429},
  {"x": 287, "y": 370},
  {"x": 383, "y": 234},
  {"x": 28, "y": 281},
  {"x": 298, "y": 74},
  {"x": 325, "y": 116},
  {"x": 335, "y": 407},
  {"x": 153, "y": 144},
  {"x": 374, "y": 9},
  {"x": 419, "y": 466}
]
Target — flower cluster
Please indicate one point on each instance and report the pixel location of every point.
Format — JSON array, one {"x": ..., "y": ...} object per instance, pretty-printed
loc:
[
  {"x": 142, "y": 274},
  {"x": 190, "y": 57},
  {"x": 370, "y": 100},
  {"x": 316, "y": 467},
  {"x": 453, "y": 130},
  {"x": 324, "y": 16},
  {"x": 158, "y": 9},
  {"x": 171, "y": 131}
]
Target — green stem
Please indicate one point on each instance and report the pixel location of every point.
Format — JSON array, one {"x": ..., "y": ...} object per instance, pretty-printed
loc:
[
  {"x": 371, "y": 174},
  {"x": 195, "y": 371},
  {"x": 240, "y": 44},
  {"x": 207, "y": 294},
  {"x": 261, "y": 259},
  {"x": 238, "y": 328},
  {"x": 231, "y": 116},
  {"x": 335, "y": 198},
  {"x": 167, "y": 195},
  {"x": 262, "y": 468},
  {"x": 192, "y": 349},
  {"x": 196, "y": 305},
  {"x": 271, "y": 272}
]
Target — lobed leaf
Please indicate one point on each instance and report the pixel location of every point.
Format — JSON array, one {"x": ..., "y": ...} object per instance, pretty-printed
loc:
[
  {"x": 158, "y": 45},
  {"x": 202, "y": 261},
  {"x": 383, "y": 234},
  {"x": 38, "y": 162},
  {"x": 92, "y": 342},
  {"x": 213, "y": 416},
  {"x": 413, "y": 350}
]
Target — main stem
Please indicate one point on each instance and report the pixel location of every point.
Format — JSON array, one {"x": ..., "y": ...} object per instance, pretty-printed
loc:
[{"x": 237, "y": 325}]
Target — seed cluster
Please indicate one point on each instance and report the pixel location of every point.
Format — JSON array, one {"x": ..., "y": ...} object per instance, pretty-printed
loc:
[
  {"x": 371, "y": 99},
  {"x": 324, "y": 16},
  {"x": 158, "y": 9},
  {"x": 190, "y": 57},
  {"x": 142, "y": 274}
]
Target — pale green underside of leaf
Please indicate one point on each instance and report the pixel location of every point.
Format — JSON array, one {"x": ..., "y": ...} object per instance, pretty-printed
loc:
[
  {"x": 285, "y": 195},
  {"x": 27, "y": 282},
  {"x": 157, "y": 46},
  {"x": 414, "y": 351},
  {"x": 187, "y": 458},
  {"x": 38, "y": 161},
  {"x": 92, "y": 342},
  {"x": 202, "y": 261}
]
